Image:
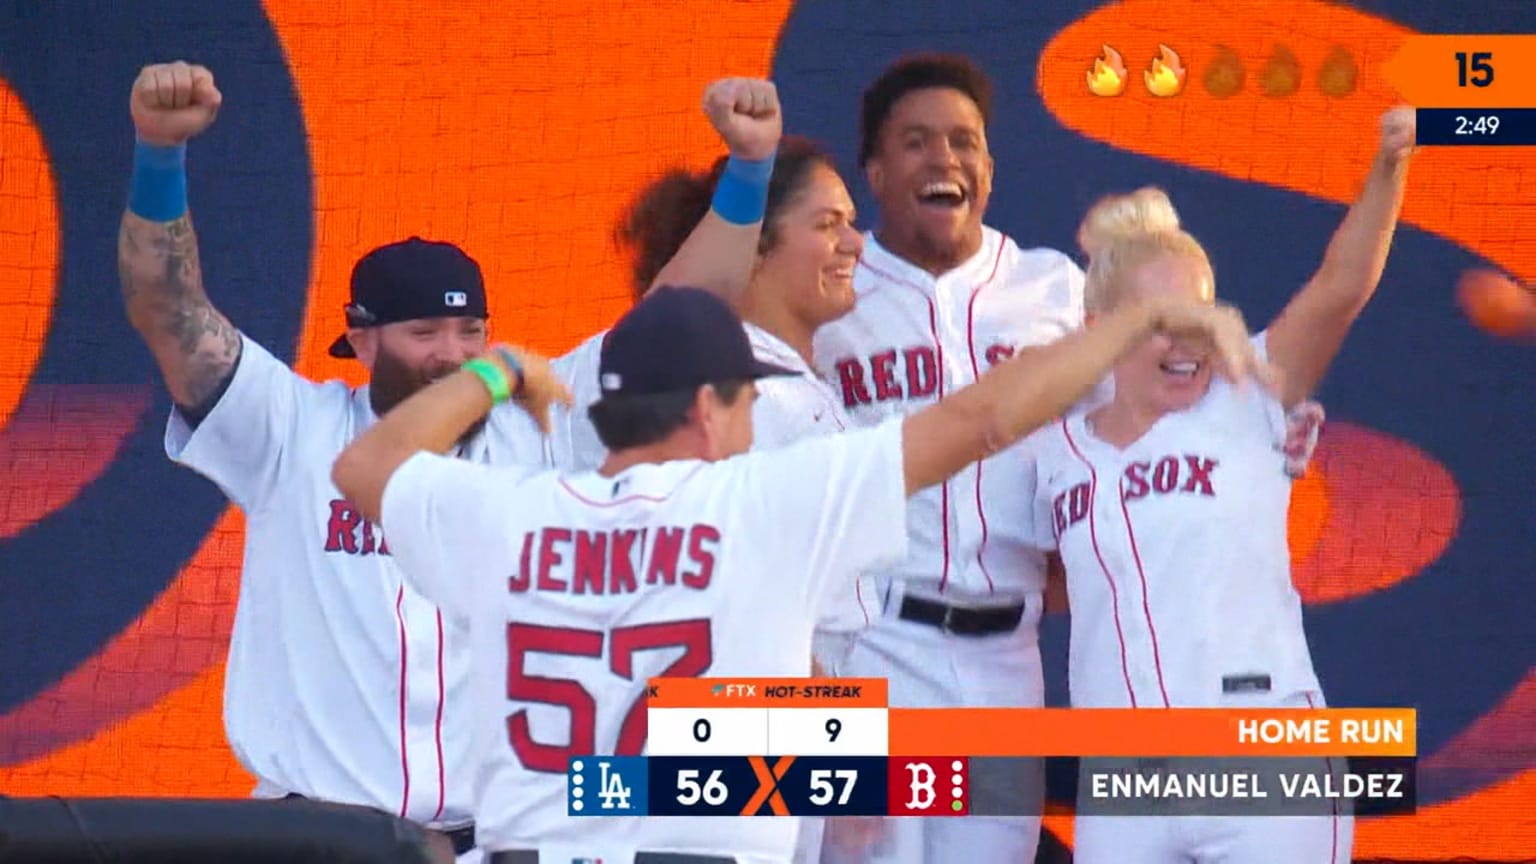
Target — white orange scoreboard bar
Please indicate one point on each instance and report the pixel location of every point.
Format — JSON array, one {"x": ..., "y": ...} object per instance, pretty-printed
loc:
[{"x": 834, "y": 747}]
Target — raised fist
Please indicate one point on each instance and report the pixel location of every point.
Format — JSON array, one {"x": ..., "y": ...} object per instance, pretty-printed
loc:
[
  {"x": 1302, "y": 425},
  {"x": 172, "y": 102},
  {"x": 1399, "y": 130},
  {"x": 745, "y": 111}
]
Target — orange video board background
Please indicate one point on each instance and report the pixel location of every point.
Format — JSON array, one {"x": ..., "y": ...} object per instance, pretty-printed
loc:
[{"x": 519, "y": 130}]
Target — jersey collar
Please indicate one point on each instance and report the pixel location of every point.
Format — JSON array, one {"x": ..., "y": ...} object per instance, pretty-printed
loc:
[
  {"x": 973, "y": 270},
  {"x": 771, "y": 349}
]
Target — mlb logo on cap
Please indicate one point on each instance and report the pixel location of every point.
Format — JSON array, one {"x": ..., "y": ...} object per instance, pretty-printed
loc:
[
  {"x": 676, "y": 340},
  {"x": 410, "y": 280}
]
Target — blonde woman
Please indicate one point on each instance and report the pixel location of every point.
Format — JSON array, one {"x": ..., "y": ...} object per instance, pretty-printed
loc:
[{"x": 1168, "y": 505}]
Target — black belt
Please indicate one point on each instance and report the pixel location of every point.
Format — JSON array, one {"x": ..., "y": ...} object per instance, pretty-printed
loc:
[
  {"x": 962, "y": 620},
  {"x": 463, "y": 838},
  {"x": 530, "y": 857}
]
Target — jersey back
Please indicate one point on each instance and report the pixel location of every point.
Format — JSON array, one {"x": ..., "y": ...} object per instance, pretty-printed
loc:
[{"x": 581, "y": 587}]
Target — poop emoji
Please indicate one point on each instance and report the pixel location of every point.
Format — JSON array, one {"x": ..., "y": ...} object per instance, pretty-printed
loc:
[
  {"x": 1338, "y": 74},
  {"x": 1282, "y": 74},
  {"x": 1224, "y": 77}
]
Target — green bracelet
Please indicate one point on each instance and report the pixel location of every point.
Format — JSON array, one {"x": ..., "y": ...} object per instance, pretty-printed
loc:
[{"x": 495, "y": 379}]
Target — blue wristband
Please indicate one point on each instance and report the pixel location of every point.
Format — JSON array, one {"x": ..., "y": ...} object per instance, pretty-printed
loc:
[
  {"x": 741, "y": 196},
  {"x": 158, "y": 190}
]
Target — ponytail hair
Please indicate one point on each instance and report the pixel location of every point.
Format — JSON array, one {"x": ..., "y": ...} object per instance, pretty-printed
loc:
[
  {"x": 1123, "y": 232},
  {"x": 663, "y": 214}
]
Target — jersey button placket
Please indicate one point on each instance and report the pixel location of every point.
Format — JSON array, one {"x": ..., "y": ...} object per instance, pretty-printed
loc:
[
  {"x": 1111, "y": 514},
  {"x": 1110, "y": 510},
  {"x": 954, "y": 372}
]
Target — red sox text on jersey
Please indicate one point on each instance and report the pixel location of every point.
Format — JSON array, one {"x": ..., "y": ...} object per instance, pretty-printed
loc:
[
  {"x": 865, "y": 381},
  {"x": 347, "y": 531},
  {"x": 1186, "y": 474},
  {"x": 914, "y": 338}
]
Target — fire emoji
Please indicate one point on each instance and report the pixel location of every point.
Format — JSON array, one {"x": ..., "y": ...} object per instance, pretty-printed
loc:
[
  {"x": 1107, "y": 77},
  {"x": 1166, "y": 77}
]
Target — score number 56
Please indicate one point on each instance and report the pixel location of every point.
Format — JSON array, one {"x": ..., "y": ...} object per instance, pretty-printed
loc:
[{"x": 714, "y": 792}]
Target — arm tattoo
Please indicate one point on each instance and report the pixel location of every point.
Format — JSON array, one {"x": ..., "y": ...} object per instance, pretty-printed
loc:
[{"x": 162, "y": 283}]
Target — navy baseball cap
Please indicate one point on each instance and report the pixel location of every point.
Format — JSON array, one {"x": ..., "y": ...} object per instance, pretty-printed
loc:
[
  {"x": 412, "y": 279},
  {"x": 678, "y": 339}
]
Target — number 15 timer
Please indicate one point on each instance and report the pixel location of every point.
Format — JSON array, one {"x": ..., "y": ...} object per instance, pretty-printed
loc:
[{"x": 1469, "y": 90}]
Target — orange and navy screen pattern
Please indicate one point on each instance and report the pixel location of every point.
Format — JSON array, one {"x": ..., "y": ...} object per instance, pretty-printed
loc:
[{"x": 519, "y": 130}]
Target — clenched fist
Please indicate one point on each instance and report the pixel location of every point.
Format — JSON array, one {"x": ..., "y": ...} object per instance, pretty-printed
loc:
[
  {"x": 1399, "y": 131},
  {"x": 172, "y": 102},
  {"x": 745, "y": 111}
]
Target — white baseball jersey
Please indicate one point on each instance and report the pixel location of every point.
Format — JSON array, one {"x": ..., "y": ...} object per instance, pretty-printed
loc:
[
  {"x": 581, "y": 587},
  {"x": 790, "y": 409},
  {"x": 573, "y": 442},
  {"x": 787, "y": 410},
  {"x": 343, "y": 683},
  {"x": 913, "y": 338},
  {"x": 1178, "y": 566}
]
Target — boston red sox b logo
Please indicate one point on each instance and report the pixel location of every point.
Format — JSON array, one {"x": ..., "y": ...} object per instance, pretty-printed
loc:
[{"x": 1183, "y": 475}]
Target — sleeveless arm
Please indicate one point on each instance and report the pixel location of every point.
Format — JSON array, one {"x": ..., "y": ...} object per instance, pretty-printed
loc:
[
  {"x": 718, "y": 257},
  {"x": 1309, "y": 332},
  {"x": 161, "y": 277}
]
